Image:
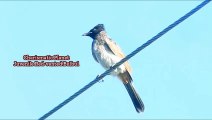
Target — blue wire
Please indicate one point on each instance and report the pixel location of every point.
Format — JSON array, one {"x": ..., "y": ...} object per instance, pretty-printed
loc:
[{"x": 107, "y": 72}]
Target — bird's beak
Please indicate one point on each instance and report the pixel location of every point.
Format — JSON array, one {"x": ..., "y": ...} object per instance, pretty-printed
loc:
[{"x": 86, "y": 34}]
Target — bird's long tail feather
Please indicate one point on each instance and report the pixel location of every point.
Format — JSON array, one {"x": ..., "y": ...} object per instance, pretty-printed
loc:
[
  {"x": 139, "y": 106},
  {"x": 127, "y": 81}
]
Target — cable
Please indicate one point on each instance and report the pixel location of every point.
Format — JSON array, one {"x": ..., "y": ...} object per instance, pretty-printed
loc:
[{"x": 107, "y": 72}]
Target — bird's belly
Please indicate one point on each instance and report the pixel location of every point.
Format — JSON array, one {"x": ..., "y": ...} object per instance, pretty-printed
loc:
[{"x": 107, "y": 59}]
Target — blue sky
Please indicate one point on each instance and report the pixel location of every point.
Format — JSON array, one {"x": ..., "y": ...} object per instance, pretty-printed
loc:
[{"x": 173, "y": 75}]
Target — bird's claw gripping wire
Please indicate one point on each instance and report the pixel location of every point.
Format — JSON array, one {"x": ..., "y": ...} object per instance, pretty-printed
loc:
[{"x": 111, "y": 67}]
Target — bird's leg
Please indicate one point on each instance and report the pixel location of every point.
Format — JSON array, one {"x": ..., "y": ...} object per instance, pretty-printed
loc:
[
  {"x": 111, "y": 68},
  {"x": 102, "y": 80}
]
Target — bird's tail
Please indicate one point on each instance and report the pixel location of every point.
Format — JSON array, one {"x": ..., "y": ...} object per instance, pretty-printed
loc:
[{"x": 139, "y": 106}]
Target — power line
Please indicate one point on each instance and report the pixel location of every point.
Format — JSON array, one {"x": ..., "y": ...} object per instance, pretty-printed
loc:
[{"x": 107, "y": 72}]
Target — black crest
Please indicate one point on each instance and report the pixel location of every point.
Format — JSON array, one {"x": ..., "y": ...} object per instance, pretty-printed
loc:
[{"x": 94, "y": 31}]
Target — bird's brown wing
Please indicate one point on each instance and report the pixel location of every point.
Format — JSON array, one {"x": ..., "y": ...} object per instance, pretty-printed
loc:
[{"x": 118, "y": 52}]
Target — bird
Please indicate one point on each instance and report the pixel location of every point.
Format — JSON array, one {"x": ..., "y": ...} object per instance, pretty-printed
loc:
[{"x": 106, "y": 52}]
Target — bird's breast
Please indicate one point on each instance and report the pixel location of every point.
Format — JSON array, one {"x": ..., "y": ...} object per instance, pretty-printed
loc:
[{"x": 106, "y": 58}]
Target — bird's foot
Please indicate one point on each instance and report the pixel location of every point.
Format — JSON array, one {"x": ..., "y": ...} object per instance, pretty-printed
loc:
[{"x": 111, "y": 66}]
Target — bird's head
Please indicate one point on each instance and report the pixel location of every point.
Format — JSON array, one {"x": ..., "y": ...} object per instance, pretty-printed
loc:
[{"x": 94, "y": 31}]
